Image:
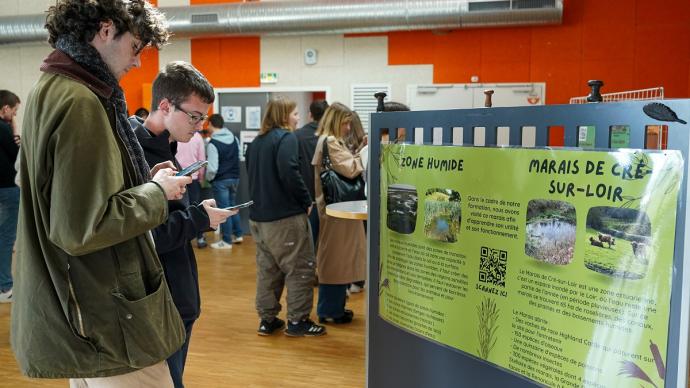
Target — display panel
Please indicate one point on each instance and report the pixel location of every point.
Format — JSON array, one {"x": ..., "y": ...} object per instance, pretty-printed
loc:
[{"x": 555, "y": 264}]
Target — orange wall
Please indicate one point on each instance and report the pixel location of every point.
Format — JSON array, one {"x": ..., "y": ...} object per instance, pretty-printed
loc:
[
  {"x": 134, "y": 82},
  {"x": 228, "y": 62},
  {"x": 629, "y": 44}
]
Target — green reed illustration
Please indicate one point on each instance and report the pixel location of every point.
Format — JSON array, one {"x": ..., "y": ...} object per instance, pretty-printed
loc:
[{"x": 488, "y": 313}]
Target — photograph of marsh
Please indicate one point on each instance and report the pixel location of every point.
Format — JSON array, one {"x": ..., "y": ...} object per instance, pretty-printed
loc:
[
  {"x": 550, "y": 231},
  {"x": 402, "y": 208},
  {"x": 618, "y": 242},
  {"x": 442, "y": 214}
]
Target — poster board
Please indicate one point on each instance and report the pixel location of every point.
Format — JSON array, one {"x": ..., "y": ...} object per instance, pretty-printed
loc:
[
  {"x": 400, "y": 357},
  {"x": 553, "y": 264}
]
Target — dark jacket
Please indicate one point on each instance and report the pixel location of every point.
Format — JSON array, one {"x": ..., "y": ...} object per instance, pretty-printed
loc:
[
  {"x": 8, "y": 155},
  {"x": 275, "y": 184},
  {"x": 307, "y": 139},
  {"x": 90, "y": 296},
  {"x": 173, "y": 237}
]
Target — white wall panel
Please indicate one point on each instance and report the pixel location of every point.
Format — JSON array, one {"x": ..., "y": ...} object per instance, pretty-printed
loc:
[{"x": 341, "y": 63}]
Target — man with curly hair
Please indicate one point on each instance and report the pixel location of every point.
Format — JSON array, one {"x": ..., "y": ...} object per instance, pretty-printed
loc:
[{"x": 90, "y": 298}]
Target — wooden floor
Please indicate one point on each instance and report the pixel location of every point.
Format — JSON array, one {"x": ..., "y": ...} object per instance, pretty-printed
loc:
[{"x": 225, "y": 350}]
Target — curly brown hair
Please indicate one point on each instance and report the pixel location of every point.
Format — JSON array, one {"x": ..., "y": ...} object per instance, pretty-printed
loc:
[{"x": 82, "y": 19}]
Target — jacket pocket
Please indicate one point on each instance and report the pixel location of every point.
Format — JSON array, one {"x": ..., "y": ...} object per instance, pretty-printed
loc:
[
  {"x": 151, "y": 326},
  {"x": 75, "y": 315}
]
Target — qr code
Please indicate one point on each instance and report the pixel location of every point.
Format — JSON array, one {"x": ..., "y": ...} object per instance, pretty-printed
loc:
[{"x": 492, "y": 266}]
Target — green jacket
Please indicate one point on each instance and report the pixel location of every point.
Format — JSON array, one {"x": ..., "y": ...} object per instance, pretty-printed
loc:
[{"x": 90, "y": 298}]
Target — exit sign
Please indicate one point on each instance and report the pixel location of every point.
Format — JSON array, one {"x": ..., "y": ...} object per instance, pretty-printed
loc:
[{"x": 269, "y": 78}]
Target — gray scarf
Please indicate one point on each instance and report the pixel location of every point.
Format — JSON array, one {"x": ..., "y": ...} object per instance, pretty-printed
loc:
[{"x": 89, "y": 58}]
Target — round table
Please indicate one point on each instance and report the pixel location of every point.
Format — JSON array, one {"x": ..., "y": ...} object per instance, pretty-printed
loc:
[{"x": 354, "y": 210}]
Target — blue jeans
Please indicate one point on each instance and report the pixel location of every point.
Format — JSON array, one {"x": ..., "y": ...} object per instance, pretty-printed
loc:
[
  {"x": 331, "y": 300},
  {"x": 224, "y": 192},
  {"x": 9, "y": 210}
]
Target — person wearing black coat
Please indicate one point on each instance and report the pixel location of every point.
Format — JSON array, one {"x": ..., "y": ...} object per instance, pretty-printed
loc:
[{"x": 175, "y": 117}]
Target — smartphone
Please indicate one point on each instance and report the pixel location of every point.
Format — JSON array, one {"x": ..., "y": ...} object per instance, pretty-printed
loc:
[
  {"x": 192, "y": 168},
  {"x": 240, "y": 206}
]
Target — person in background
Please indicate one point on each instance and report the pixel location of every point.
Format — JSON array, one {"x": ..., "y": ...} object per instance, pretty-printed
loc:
[
  {"x": 341, "y": 254},
  {"x": 181, "y": 96},
  {"x": 90, "y": 299},
  {"x": 306, "y": 138},
  {"x": 279, "y": 224},
  {"x": 187, "y": 154},
  {"x": 356, "y": 139},
  {"x": 223, "y": 171},
  {"x": 9, "y": 191},
  {"x": 142, "y": 113}
]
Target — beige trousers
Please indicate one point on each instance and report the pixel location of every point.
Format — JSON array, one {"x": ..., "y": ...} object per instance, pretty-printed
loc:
[
  {"x": 284, "y": 257},
  {"x": 154, "y": 376}
]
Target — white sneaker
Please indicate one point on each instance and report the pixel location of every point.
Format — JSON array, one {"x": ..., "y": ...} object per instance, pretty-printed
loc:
[
  {"x": 221, "y": 245},
  {"x": 237, "y": 239},
  {"x": 6, "y": 297},
  {"x": 355, "y": 288}
]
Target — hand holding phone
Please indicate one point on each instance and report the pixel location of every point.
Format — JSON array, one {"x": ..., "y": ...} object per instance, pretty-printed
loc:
[
  {"x": 192, "y": 168},
  {"x": 240, "y": 206}
]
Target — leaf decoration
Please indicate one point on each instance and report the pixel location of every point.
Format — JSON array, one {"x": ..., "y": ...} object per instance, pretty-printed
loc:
[
  {"x": 630, "y": 369},
  {"x": 661, "y": 112}
]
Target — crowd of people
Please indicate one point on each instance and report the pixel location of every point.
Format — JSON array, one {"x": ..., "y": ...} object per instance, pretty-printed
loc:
[{"x": 104, "y": 249}]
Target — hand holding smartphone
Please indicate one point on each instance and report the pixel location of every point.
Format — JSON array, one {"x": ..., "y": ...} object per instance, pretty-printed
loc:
[
  {"x": 192, "y": 168},
  {"x": 240, "y": 206}
]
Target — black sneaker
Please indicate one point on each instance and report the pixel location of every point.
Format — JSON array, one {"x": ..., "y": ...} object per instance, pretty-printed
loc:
[
  {"x": 267, "y": 328},
  {"x": 345, "y": 318},
  {"x": 304, "y": 328}
]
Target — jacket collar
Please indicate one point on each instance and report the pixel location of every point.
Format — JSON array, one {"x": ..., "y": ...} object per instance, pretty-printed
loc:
[
  {"x": 156, "y": 148},
  {"x": 60, "y": 63}
]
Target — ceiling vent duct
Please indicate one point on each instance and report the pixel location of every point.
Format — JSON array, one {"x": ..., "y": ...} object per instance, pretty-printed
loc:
[{"x": 307, "y": 17}]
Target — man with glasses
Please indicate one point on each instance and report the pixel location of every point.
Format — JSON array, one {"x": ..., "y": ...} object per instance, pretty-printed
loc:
[
  {"x": 180, "y": 97},
  {"x": 223, "y": 171},
  {"x": 90, "y": 299}
]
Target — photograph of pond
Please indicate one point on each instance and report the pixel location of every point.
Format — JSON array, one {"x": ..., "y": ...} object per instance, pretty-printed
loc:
[
  {"x": 402, "y": 208},
  {"x": 618, "y": 242},
  {"x": 442, "y": 214},
  {"x": 550, "y": 231}
]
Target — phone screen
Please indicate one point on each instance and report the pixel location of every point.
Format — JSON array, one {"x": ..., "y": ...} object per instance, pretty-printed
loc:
[
  {"x": 240, "y": 206},
  {"x": 192, "y": 168}
]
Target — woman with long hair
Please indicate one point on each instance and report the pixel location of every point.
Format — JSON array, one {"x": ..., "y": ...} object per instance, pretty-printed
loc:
[
  {"x": 279, "y": 224},
  {"x": 356, "y": 137},
  {"x": 341, "y": 254}
]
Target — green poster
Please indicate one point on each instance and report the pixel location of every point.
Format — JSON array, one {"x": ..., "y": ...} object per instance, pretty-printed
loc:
[{"x": 555, "y": 264}]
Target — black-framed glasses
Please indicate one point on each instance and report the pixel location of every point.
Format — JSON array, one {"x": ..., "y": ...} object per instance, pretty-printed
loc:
[{"x": 193, "y": 119}]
